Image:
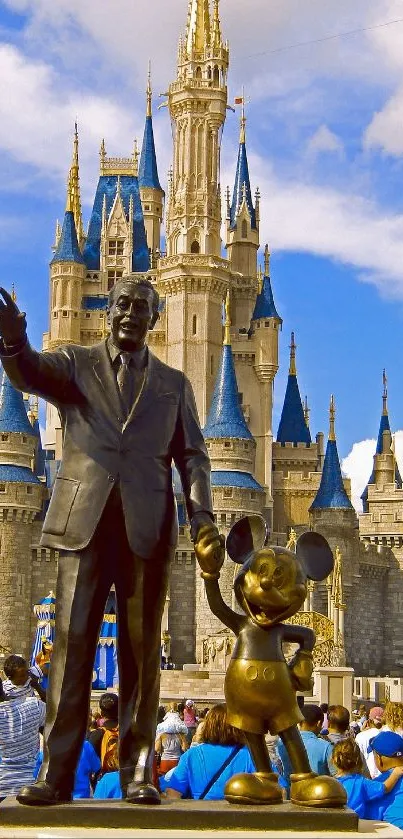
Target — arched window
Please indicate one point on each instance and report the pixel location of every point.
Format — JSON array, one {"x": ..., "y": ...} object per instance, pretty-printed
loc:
[
  {"x": 216, "y": 76},
  {"x": 195, "y": 247},
  {"x": 211, "y": 365},
  {"x": 244, "y": 229},
  {"x": 194, "y": 325},
  {"x": 209, "y": 72},
  {"x": 198, "y": 73}
]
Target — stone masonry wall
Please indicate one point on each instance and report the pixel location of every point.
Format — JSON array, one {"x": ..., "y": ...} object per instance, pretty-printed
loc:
[{"x": 182, "y": 606}]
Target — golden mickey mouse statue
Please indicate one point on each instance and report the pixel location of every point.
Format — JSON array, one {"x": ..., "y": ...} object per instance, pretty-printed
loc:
[{"x": 260, "y": 686}]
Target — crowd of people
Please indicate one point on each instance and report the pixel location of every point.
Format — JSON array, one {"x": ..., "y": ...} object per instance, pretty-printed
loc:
[{"x": 196, "y": 752}]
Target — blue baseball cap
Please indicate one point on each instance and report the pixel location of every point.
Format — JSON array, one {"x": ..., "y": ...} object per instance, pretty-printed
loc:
[{"x": 387, "y": 744}]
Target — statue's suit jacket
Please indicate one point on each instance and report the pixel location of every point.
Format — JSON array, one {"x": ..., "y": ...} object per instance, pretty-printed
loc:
[{"x": 101, "y": 447}]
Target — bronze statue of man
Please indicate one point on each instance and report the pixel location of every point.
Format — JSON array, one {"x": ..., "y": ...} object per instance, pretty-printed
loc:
[{"x": 125, "y": 417}]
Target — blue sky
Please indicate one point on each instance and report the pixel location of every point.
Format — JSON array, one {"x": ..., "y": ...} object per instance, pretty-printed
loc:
[{"x": 325, "y": 145}]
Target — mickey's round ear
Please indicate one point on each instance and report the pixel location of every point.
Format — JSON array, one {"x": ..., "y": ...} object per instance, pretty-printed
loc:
[
  {"x": 246, "y": 536},
  {"x": 315, "y": 555}
]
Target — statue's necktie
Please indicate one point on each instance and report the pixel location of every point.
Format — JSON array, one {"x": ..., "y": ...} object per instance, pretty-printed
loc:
[{"x": 124, "y": 379}]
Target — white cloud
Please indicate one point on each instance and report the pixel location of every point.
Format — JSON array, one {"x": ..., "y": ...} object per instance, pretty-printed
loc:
[
  {"x": 337, "y": 224},
  {"x": 359, "y": 462},
  {"x": 324, "y": 140},
  {"x": 37, "y": 115},
  {"x": 358, "y": 467},
  {"x": 385, "y": 129}
]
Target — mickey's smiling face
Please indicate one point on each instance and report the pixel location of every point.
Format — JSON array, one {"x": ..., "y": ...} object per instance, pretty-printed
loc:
[{"x": 271, "y": 586}]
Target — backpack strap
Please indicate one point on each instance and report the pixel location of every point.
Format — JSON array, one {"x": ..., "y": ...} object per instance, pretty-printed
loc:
[{"x": 219, "y": 772}]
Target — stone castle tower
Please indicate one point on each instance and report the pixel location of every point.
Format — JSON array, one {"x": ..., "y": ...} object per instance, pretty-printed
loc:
[{"x": 219, "y": 324}]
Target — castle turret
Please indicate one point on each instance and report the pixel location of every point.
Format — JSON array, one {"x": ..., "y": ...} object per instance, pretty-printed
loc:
[
  {"x": 21, "y": 500},
  {"x": 332, "y": 493},
  {"x": 293, "y": 427},
  {"x": 243, "y": 234},
  {"x": 193, "y": 278},
  {"x": 151, "y": 192},
  {"x": 297, "y": 461},
  {"x": 232, "y": 450},
  {"x": 383, "y": 448},
  {"x": 67, "y": 268}
]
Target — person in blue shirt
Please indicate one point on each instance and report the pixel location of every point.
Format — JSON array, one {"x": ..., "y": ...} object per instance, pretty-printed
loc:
[
  {"x": 89, "y": 764},
  {"x": 198, "y": 766},
  {"x": 387, "y": 747},
  {"x": 319, "y": 751},
  {"x": 109, "y": 785},
  {"x": 365, "y": 795}
]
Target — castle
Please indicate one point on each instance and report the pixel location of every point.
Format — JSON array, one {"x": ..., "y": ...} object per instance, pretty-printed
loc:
[{"x": 219, "y": 324}]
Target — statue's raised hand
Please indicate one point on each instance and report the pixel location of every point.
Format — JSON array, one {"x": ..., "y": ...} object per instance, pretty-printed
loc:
[{"x": 12, "y": 322}]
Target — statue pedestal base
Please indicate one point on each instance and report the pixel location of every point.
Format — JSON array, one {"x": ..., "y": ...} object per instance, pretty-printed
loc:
[{"x": 176, "y": 815}]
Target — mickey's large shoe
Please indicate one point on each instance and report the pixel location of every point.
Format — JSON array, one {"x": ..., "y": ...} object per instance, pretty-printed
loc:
[
  {"x": 310, "y": 790},
  {"x": 142, "y": 794},
  {"x": 256, "y": 788},
  {"x": 43, "y": 794}
]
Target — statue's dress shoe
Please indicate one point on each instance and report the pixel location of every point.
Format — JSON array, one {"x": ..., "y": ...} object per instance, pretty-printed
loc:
[
  {"x": 42, "y": 794},
  {"x": 256, "y": 788},
  {"x": 142, "y": 794},
  {"x": 312, "y": 790}
]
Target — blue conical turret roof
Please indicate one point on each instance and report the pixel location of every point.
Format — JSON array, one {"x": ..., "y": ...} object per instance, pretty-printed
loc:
[
  {"x": 331, "y": 493},
  {"x": 225, "y": 418},
  {"x": 13, "y": 415},
  {"x": 293, "y": 427},
  {"x": 68, "y": 249},
  {"x": 264, "y": 306},
  {"x": 242, "y": 184},
  {"x": 148, "y": 171},
  {"x": 384, "y": 425},
  {"x": 13, "y": 418}
]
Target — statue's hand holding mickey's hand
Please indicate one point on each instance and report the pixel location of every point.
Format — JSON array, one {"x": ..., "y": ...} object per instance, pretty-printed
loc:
[
  {"x": 13, "y": 326},
  {"x": 209, "y": 546}
]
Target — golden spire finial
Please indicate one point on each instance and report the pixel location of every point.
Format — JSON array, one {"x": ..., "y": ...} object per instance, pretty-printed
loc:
[
  {"x": 216, "y": 39},
  {"x": 13, "y": 294},
  {"x": 73, "y": 203},
  {"x": 306, "y": 411},
  {"x": 259, "y": 279},
  {"x": 198, "y": 26},
  {"x": 266, "y": 261},
  {"x": 136, "y": 157},
  {"x": 293, "y": 370},
  {"x": 227, "y": 329},
  {"x": 332, "y": 417},
  {"x": 385, "y": 394},
  {"x": 242, "y": 135},
  {"x": 149, "y": 91}
]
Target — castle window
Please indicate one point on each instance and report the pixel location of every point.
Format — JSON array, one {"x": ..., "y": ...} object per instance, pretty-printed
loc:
[
  {"x": 64, "y": 313},
  {"x": 29, "y": 490},
  {"x": 227, "y": 492},
  {"x": 252, "y": 495},
  {"x": 227, "y": 445},
  {"x": 194, "y": 325},
  {"x": 211, "y": 365},
  {"x": 112, "y": 277},
  {"x": 2, "y": 487},
  {"x": 4, "y": 437},
  {"x": 195, "y": 247},
  {"x": 244, "y": 229},
  {"x": 216, "y": 76},
  {"x": 24, "y": 438},
  {"x": 115, "y": 247},
  {"x": 198, "y": 73},
  {"x": 267, "y": 323},
  {"x": 88, "y": 314},
  {"x": 55, "y": 314}
]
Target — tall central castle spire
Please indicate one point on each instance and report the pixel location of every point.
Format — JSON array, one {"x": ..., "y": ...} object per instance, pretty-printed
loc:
[
  {"x": 194, "y": 278},
  {"x": 197, "y": 102}
]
